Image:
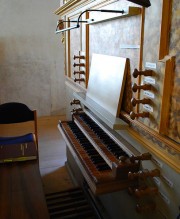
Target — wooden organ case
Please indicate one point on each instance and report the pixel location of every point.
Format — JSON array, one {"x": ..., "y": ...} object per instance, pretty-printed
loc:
[{"x": 123, "y": 138}]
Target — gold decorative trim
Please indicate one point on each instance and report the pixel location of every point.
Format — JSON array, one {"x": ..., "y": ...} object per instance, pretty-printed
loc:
[
  {"x": 171, "y": 144},
  {"x": 72, "y": 4},
  {"x": 66, "y": 6},
  {"x": 103, "y": 3},
  {"x": 161, "y": 146},
  {"x": 65, "y": 1},
  {"x": 168, "y": 156}
]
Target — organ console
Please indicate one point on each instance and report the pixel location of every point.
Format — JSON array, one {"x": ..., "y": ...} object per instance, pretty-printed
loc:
[
  {"x": 134, "y": 101},
  {"x": 136, "y": 87},
  {"x": 137, "y": 73},
  {"x": 94, "y": 155},
  {"x": 104, "y": 164},
  {"x": 137, "y": 115}
]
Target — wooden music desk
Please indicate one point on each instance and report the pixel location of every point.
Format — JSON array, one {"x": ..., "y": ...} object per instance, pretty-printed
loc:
[{"x": 21, "y": 192}]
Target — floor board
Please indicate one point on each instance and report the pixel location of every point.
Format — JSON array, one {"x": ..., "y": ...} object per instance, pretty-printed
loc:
[{"x": 52, "y": 155}]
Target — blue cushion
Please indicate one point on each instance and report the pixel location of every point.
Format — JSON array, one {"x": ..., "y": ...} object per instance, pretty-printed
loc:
[{"x": 17, "y": 139}]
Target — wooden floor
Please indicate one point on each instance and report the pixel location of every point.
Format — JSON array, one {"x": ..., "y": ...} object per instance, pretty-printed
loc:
[
  {"x": 52, "y": 156},
  {"x": 64, "y": 199}
]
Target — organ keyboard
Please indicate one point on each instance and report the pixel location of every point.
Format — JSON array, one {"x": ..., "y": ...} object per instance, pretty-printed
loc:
[{"x": 103, "y": 163}]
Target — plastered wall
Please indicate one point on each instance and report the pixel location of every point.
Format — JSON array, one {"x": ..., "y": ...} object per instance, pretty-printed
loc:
[{"x": 31, "y": 56}]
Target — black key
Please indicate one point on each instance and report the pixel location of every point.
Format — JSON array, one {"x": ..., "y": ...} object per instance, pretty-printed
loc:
[
  {"x": 98, "y": 161},
  {"x": 103, "y": 167}
]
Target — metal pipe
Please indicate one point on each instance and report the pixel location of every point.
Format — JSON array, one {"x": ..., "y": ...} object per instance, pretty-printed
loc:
[{"x": 78, "y": 20}]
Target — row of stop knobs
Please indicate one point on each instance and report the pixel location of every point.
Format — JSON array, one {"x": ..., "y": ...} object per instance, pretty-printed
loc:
[
  {"x": 142, "y": 190},
  {"x": 76, "y": 110},
  {"x": 79, "y": 57},
  {"x": 135, "y": 88}
]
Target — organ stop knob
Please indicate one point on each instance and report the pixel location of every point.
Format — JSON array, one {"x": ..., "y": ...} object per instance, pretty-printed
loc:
[
  {"x": 78, "y": 79},
  {"x": 78, "y": 57},
  {"x": 137, "y": 115},
  {"x": 136, "y": 73},
  {"x": 136, "y": 87},
  {"x": 78, "y": 64},
  {"x": 139, "y": 193},
  {"x": 74, "y": 101},
  {"x": 76, "y": 110},
  {"x": 145, "y": 156},
  {"x": 144, "y": 174},
  {"x": 137, "y": 101}
]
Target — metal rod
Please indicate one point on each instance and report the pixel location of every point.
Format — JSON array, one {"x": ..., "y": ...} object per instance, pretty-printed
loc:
[
  {"x": 78, "y": 20},
  {"x": 75, "y": 21},
  {"x": 69, "y": 28},
  {"x": 98, "y": 10}
]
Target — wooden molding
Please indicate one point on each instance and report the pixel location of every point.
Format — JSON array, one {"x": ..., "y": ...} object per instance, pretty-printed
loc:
[
  {"x": 170, "y": 151},
  {"x": 87, "y": 50},
  {"x": 171, "y": 160},
  {"x": 72, "y": 4},
  {"x": 141, "y": 39},
  {"x": 167, "y": 90},
  {"x": 165, "y": 28},
  {"x": 69, "y": 52},
  {"x": 66, "y": 6},
  {"x": 171, "y": 144},
  {"x": 141, "y": 52}
]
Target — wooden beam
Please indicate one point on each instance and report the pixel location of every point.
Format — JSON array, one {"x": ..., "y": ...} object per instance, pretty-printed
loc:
[
  {"x": 165, "y": 28},
  {"x": 167, "y": 91}
]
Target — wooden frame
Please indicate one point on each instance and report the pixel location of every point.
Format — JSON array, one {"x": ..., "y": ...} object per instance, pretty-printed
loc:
[
  {"x": 35, "y": 126},
  {"x": 167, "y": 90},
  {"x": 165, "y": 27}
]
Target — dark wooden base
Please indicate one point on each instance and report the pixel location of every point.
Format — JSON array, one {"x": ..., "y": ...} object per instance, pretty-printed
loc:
[{"x": 21, "y": 192}]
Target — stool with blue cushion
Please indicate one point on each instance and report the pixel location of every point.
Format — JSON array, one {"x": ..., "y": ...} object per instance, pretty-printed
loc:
[{"x": 18, "y": 148}]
